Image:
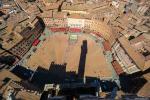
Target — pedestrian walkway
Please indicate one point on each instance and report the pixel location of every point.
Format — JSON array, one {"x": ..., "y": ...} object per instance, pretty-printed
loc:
[
  {"x": 30, "y": 52},
  {"x": 108, "y": 56},
  {"x": 97, "y": 39}
]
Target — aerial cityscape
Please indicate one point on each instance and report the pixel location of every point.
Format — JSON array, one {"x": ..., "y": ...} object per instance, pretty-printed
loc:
[{"x": 74, "y": 49}]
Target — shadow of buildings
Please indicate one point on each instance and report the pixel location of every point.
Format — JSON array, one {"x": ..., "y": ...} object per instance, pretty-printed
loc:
[
  {"x": 9, "y": 52},
  {"x": 8, "y": 60},
  {"x": 82, "y": 61},
  {"x": 134, "y": 82},
  {"x": 55, "y": 75},
  {"x": 22, "y": 72},
  {"x": 70, "y": 84},
  {"x": 131, "y": 83}
]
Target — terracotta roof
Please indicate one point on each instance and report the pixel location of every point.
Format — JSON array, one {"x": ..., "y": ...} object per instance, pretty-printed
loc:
[
  {"x": 6, "y": 73},
  {"x": 147, "y": 64},
  {"x": 142, "y": 28},
  {"x": 137, "y": 39},
  {"x": 52, "y": 6},
  {"x": 78, "y": 7},
  {"x": 47, "y": 14},
  {"x": 117, "y": 67},
  {"x": 135, "y": 55},
  {"x": 144, "y": 91},
  {"x": 147, "y": 76},
  {"x": 80, "y": 16},
  {"x": 107, "y": 46},
  {"x": 77, "y": 16},
  {"x": 32, "y": 9},
  {"x": 49, "y": 1},
  {"x": 3, "y": 25},
  {"x": 59, "y": 14},
  {"x": 22, "y": 4}
]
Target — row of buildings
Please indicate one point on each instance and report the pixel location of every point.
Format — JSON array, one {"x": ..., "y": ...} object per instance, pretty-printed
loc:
[
  {"x": 18, "y": 28},
  {"x": 128, "y": 35},
  {"x": 123, "y": 27},
  {"x": 124, "y": 24}
]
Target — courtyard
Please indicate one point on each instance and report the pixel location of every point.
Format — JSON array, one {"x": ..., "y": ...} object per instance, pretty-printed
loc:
[{"x": 57, "y": 48}]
